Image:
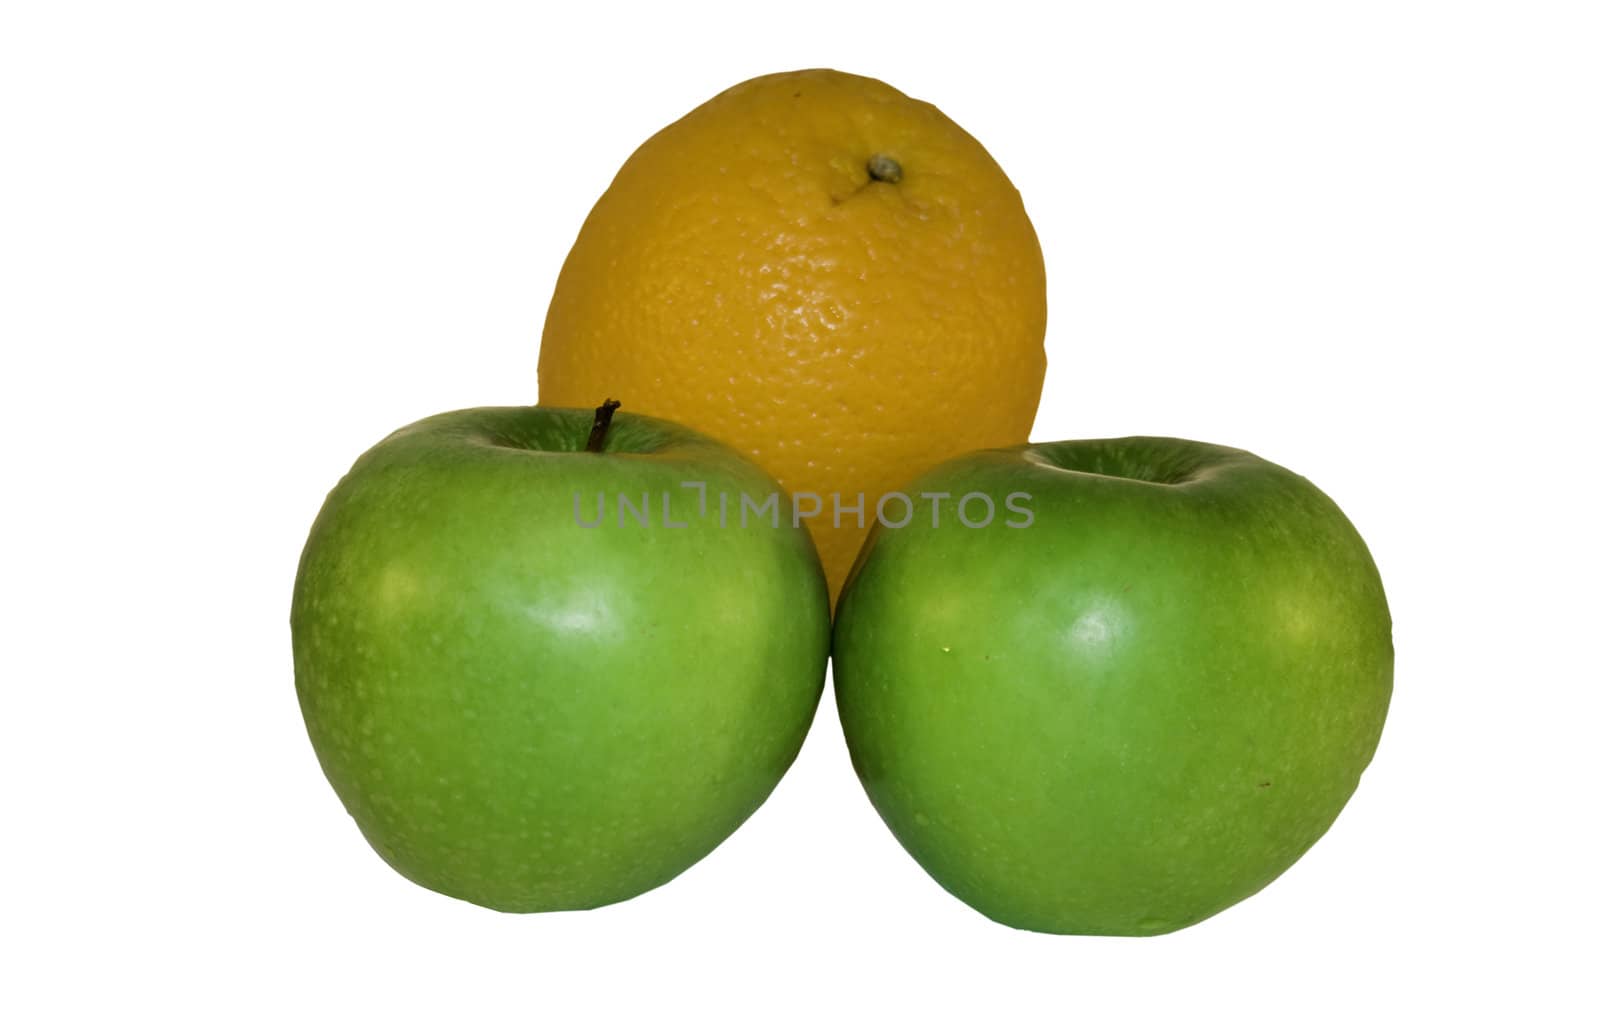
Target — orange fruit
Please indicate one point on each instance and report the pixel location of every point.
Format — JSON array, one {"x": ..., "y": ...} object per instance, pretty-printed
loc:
[{"x": 820, "y": 271}]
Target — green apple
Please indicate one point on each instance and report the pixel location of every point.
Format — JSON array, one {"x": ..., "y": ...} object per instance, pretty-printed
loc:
[
  {"x": 1133, "y": 697},
  {"x": 538, "y": 663}
]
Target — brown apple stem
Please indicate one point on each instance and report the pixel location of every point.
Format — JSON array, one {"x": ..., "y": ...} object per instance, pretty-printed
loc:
[{"x": 602, "y": 425}]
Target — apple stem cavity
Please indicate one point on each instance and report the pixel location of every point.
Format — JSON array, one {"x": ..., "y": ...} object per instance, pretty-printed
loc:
[
  {"x": 602, "y": 425},
  {"x": 883, "y": 168}
]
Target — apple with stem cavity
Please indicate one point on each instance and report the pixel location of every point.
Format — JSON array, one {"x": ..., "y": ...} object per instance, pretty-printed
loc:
[
  {"x": 538, "y": 663},
  {"x": 1132, "y": 703}
]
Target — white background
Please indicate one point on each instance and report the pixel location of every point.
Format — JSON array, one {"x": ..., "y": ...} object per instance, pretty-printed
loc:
[{"x": 241, "y": 242}]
